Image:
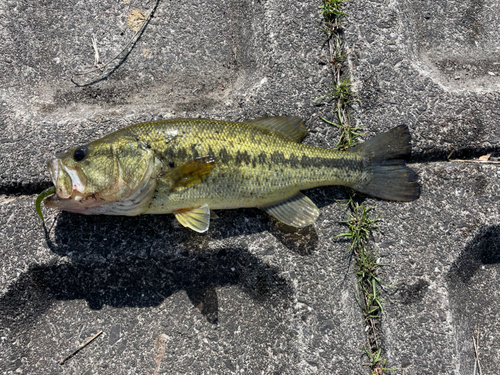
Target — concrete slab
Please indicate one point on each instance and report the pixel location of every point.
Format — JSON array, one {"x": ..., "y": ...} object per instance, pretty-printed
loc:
[
  {"x": 247, "y": 297},
  {"x": 434, "y": 66}
]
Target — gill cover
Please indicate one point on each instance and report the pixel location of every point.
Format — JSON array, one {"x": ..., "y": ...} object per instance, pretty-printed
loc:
[{"x": 111, "y": 176}]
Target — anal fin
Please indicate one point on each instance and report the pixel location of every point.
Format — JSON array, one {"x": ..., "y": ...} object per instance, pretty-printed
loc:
[
  {"x": 197, "y": 219},
  {"x": 298, "y": 211}
]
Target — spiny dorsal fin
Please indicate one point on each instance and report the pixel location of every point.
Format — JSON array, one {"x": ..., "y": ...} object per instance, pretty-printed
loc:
[
  {"x": 289, "y": 126},
  {"x": 298, "y": 211},
  {"x": 197, "y": 219},
  {"x": 192, "y": 173}
]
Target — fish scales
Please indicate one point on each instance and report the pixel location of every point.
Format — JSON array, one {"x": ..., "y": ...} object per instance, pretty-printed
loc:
[
  {"x": 191, "y": 166},
  {"x": 254, "y": 168}
]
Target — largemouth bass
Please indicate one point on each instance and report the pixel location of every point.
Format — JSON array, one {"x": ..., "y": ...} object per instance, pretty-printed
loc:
[{"x": 191, "y": 166}]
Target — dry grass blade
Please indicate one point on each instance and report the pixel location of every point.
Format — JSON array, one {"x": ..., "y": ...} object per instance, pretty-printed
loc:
[
  {"x": 477, "y": 364},
  {"x": 477, "y": 161},
  {"x": 61, "y": 362},
  {"x": 96, "y": 50}
]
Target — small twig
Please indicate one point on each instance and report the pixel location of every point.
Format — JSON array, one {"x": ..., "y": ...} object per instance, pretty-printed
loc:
[
  {"x": 476, "y": 354},
  {"x": 477, "y": 161},
  {"x": 449, "y": 155},
  {"x": 61, "y": 362},
  {"x": 96, "y": 50},
  {"x": 146, "y": 21}
]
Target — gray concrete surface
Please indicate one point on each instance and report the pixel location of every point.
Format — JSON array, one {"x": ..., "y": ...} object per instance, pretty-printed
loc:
[
  {"x": 246, "y": 297},
  {"x": 249, "y": 296},
  {"x": 435, "y": 65},
  {"x": 441, "y": 267}
]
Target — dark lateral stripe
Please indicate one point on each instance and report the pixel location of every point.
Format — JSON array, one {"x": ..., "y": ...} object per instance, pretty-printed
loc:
[
  {"x": 224, "y": 156},
  {"x": 305, "y": 161},
  {"x": 275, "y": 158},
  {"x": 242, "y": 157}
]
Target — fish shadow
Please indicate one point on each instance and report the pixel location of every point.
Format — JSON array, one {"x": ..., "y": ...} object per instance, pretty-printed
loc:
[
  {"x": 141, "y": 261},
  {"x": 243, "y": 222},
  {"x": 130, "y": 262},
  {"x": 303, "y": 241},
  {"x": 483, "y": 249}
]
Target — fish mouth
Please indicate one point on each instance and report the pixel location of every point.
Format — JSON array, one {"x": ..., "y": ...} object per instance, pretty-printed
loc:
[
  {"x": 53, "y": 166},
  {"x": 68, "y": 182},
  {"x": 65, "y": 204},
  {"x": 118, "y": 199}
]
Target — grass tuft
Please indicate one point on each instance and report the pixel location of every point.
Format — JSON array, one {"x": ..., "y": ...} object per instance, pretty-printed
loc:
[
  {"x": 332, "y": 9},
  {"x": 376, "y": 361},
  {"x": 332, "y": 13},
  {"x": 348, "y": 135},
  {"x": 360, "y": 222}
]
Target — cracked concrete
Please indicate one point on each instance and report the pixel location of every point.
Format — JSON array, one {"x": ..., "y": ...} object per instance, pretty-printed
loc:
[{"x": 434, "y": 65}]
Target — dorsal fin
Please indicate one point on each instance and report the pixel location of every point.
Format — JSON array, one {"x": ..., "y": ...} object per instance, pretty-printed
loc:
[{"x": 289, "y": 126}]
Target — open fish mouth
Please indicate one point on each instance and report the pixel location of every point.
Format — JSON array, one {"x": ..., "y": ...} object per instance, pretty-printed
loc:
[
  {"x": 68, "y": 182},
  {"x": 117, "y": 199},
  {"x": 69, "y": 187},
  {"x": 53, "y": 166}
]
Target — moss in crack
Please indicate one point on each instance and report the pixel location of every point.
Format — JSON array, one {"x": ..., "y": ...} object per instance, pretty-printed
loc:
[
  {"x": 361, "y": 225},
  {"x": 359, "y": 220}
]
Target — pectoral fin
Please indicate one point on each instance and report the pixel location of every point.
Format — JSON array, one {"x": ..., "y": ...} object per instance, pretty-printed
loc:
[
  {"x": 298, "y": 211},
  {"x": 192, "y": 172},
  {"x": 197, "y": 219}
]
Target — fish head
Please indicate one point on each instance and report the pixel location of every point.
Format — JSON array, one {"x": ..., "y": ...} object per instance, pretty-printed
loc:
[{"x": 90, "y": 177}]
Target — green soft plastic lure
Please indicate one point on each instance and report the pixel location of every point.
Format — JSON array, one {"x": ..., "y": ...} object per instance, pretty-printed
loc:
[{"x": 51, "y": 190}]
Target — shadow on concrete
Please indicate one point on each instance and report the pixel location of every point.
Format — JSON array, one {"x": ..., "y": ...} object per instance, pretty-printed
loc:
[
  {"x": 141, "y": 261},
  {"x": 135, "y": 262},
  {"x": 100, "y": 235},
  {"x": 136, "y": 282},
  {"x": 473, "y": 289},
  {"x": 483, "y": 249}
]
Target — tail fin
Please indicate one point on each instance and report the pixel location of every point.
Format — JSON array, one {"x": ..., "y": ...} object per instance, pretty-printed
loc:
[{"x": 387, "y": 176}]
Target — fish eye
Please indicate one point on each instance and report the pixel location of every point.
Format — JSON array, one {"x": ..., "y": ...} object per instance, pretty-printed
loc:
[{"x": 80, "y": 153}]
